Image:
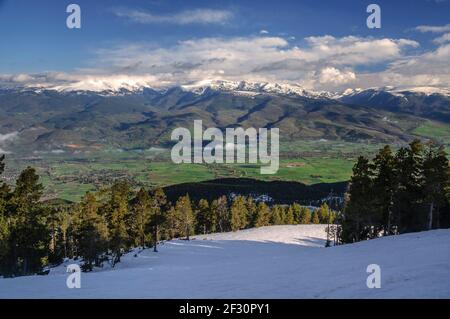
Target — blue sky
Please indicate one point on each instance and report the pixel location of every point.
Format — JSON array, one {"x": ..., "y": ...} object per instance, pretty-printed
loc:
[{"x": 160, "y": 41}]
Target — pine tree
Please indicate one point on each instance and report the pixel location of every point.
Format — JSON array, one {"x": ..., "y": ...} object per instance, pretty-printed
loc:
[
  {"x": 289, "y": 216},
  {"x": 65, "y": 222},
  {"x": 141, "y": 217},
  {"x": 211, "y": 219},
  {"x": 358, "y": 217},
  {"x": 436, "y": 174},
  {"x": 262, "y": 215},
  {"x": 397, "y": 194},
  {"x": 296, "y": 210},
  {"x": 324, "y": 214},
  {"x": 117, "y": 212},
  {"x": 238, "y": 213},
  {"x": 384, "y": 185},
  {"x": 55, "y": 223},
  {"x": 219, "y": 208},
  {"x": 183, "y": 207},
  {"x": 70, "y": 226},
  {"x": 4, "y": 240},
  {"x": 202, "y": 213},
  {"x": 277, "y": 217},
  {"x": 252, "y": 212},
  {"x": 29, "y": 235},
  {"x": 305, "y": 215},
  {"x": 4, "y": 222},
  {"x": 91, "y": 232},
  {"x": 315, "y": 217},
  {"x": 157, "y": 216},
  {"x": 172, "y": 223},
  {"x": 408, "y": 199}
]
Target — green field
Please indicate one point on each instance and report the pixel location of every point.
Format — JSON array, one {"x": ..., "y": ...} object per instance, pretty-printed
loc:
[
  {"x": 70, "y": 176},
  {"x": 315, "y": 170},
  {"x": 437, "y": 131}
]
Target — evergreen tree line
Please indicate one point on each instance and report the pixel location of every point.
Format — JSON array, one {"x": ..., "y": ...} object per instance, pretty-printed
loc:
[
  {"x": 396, "y": 193},
  {"x": 105, "y": 225}
]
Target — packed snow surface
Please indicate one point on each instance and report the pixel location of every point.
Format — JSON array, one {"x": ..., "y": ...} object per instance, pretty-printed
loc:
[
  {"x": 268, "y": 262},
  {"x": 305, "y": 235}
]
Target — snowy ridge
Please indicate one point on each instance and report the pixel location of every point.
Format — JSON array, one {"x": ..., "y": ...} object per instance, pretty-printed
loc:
[
  {"x": 427, "y": 90},
  {"x": 269, "y": 262},
  {"x": 242, "y": 87},
  {"x": 392, "y": 90},
  {"x": 111, "y": 88},
  {"x": 125, "y": 85}
]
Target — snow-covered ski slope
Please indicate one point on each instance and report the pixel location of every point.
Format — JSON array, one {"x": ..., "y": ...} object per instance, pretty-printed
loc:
[{"x": 268, "y": 262}]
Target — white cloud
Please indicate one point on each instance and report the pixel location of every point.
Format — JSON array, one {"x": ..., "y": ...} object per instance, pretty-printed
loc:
[
  {"x": 331, "y": 75},
  {"x": 264, "y": 32},
  {"x": 442, "y": 39},
  {"x": 324, "y": 63},
  {"x": 353, "y": 50},
  {"x": 196, "y": 16},
  {"x": 428, "y": 69},
  {"x": 270, "y": 59},
  {"x": 433, "y": 28},
  {"x": 8, "y": 136}
]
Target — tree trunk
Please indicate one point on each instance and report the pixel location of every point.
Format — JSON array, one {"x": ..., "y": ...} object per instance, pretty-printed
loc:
[
  {"x": 25, "y": 266},
  {"x": 65, "y": 245},
  {"x": 155, "y": 238},
  {"x": 14, "y": 266},
  {"x": 389, "y": 223},
  {"x": 389, "y": 220},
  {"x": 438, "y": 218},
  {"x": 430, "y": 216},
  {"x": 116, "y": 259},
  {"x": 53, "y": 242}
]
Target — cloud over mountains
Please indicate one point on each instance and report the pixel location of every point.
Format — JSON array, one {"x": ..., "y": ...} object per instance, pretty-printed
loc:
[{"x": 323, "y": 63}]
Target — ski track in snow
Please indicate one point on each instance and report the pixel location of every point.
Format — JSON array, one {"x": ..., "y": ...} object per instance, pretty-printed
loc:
[{"x": 267, "y": 262}]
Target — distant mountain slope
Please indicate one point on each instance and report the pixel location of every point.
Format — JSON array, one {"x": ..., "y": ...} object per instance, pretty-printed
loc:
[
  {"x": 86, "y": 120},
  {"x": 431, "y": 105}
]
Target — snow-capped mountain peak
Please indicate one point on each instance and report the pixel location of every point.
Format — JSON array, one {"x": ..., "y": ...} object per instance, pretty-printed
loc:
[
  {"x": 121, "y": 85},
  {"x": 252, "y": 88}
]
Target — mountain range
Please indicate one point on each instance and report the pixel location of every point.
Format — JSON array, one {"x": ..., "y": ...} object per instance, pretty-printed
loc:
[{"x": 61, "y": 118}]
